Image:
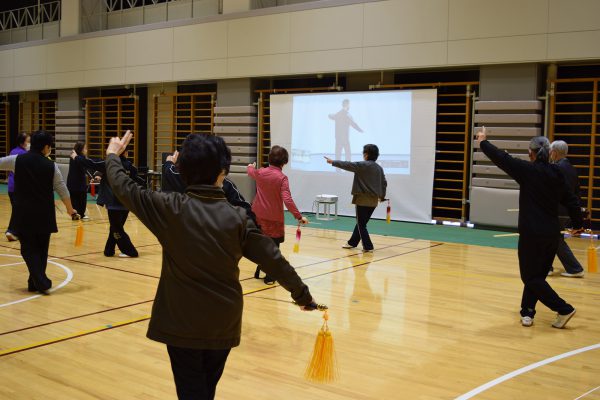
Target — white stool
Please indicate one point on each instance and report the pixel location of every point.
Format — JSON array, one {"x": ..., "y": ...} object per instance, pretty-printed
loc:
[{"x": 327, "y": 200}]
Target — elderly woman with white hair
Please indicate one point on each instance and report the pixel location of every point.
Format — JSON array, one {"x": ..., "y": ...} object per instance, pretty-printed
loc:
[
  {"x": 542, "y": 188},
  {"x": 558, "y": 155}
]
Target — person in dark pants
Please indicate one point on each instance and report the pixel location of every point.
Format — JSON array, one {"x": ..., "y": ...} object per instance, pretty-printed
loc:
[
  {"x": 77, "y": 180},
  {"x": 542, "y": 188},
  {"x": 558, "y": 155},
  {"x": 117, "y": 213},
  {"x": 368, "y": 189},
  {"x": 343, "y": 122},
  {"x": 198, "y": 307},
  {"x": 36, "y": 179},
  {"x": 172, "y": 182},
  {"x": 23, "y": 141},
  {"x": 272, "y": 192}
]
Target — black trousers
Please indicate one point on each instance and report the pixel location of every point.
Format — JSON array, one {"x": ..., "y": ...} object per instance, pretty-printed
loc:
[
  {"x": 277, "y": 242},
  {"x": 363, "y": 215},
  {"x": 197, "y": 372},
  {"x": 535, "y": 254},
  {"x": 11, "y": 196},
  {"x": 34, "y": 250},
  {"x": 117, "y": 235},
  {"x": 79, "y": 201}
]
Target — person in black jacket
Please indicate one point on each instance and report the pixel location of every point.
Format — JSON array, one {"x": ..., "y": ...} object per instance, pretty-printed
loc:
[
  {"x": 172, "y": 182},
  {"x": 76, "y": 178},
  {"x": 542, "y": 188},
  {"x": 117, "y": 212},
  {"x": 34, "y": 217},
  {"x": 197, "y": 311},
  {"x": 558, "y": 155}
]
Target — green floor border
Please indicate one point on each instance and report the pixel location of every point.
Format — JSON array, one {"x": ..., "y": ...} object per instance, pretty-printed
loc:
[{"x": 439, "y": 233}]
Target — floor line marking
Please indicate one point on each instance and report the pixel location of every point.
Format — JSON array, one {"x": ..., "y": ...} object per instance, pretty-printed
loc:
[
  {"x": 586, "y": 393},
  {"x": 527, "y": 368},
  {"x": 147, "y": 317},
  {"x": 62, "y": 284}
]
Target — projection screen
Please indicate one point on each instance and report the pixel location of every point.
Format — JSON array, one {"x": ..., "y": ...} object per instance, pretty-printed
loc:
[{"x": 337, "y": 125}]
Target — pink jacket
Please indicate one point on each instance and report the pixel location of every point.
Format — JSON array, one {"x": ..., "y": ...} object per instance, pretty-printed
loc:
[{"x": 272, "y": 191}]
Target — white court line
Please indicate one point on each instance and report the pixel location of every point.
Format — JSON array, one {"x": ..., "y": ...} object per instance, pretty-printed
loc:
[
  {"x": 520, "y": 371},
  {"x": 17, "y": 263},
  {"x": 63, "y": 283},
  {"x": 8, "y": 265},
  {"x": 586, "y": 393}
]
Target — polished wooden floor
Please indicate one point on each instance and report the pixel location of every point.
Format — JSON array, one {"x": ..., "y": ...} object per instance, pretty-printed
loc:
[{"x": 413, "y": 320}]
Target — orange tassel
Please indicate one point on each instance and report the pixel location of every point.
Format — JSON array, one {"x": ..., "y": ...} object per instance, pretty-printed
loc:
[
  {"x": 79, "y": 235},
  {"x": 322, "y": 367},
  {"x": 93, "y": 190},
  {"x": 298, "y": 236},
  {"x": 592, "y": 257}
]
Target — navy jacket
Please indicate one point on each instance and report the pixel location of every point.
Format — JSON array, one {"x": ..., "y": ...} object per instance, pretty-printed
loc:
[
  {"x": 543, "y": 188},
  {"x": 171, "y": 182}
]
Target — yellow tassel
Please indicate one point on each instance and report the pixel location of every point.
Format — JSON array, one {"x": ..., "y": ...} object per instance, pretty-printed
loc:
[
  {"x": 592, "y": 259},
  {"x": 296, "y": 247},
  {"x": 322, "y": 367},
  {"x": 79, "y": 235}
]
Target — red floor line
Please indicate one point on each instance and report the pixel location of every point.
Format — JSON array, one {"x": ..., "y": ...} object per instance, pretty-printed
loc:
[{"x": 107, "y": 267}]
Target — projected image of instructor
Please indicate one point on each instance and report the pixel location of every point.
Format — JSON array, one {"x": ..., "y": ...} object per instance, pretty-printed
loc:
[{"x": 343, "y": 121}]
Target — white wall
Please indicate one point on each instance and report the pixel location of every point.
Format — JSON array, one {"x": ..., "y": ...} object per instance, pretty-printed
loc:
[{"x": 392, "y": 34}]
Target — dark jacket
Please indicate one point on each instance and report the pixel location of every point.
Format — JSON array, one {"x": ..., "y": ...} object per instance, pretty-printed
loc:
[
  {"x": 542, "y": 189},
  {"x": 76, "y": 179},
  {"x": 106, "y": 196},
  {"x": 33, "y": 211},
  {"x": 199, "y": 299},
  {"x": 369, "y": 181},
  {"x": 572, "y": 179},
  {"x": 171, "y": 182}
]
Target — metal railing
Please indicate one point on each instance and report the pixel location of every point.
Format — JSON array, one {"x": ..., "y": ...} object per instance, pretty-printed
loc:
[
  {"x": 112, "y": 14},
  {"x": 32, "y": 15}
]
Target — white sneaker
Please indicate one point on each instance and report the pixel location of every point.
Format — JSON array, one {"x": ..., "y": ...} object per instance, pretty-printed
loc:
[
  {"x": 575, "y": 275},
  {"x": 11, "y": 237},
  {"x": 561, "y": 320},
  {"x": 367, "y": 251},
  {"x": 123, "y": 255},
  {"x": 85, "y": 218},
  {"x": 348, "y": 246},
  {"x": 526, "y": 321}
]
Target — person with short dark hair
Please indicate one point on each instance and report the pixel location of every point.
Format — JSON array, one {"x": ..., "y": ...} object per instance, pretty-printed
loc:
[
  {"x": 368, "y": 189},
  {"x": 36, "y": 179},
  {"x": 77, "y": 177},
  {"x": 172, "y": 182},
  {"x": 23, "y": 142},
  {"x": 197, "y": 311},
  {"x": 542, "y": 188},
  {"x": 558, "y": 155},
  {"x": 272, "y": 192}
]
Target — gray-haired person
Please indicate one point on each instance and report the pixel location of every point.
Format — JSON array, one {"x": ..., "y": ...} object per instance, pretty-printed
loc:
[
  {"x": 558, "y": 155},
  {"x": 541, "y": 188}
]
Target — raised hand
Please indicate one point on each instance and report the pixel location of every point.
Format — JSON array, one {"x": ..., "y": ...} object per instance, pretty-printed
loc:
[
  {"x": 173, "y": 157},
  {"x": 481, "y": 135},
  {"x": 118, "y": 146}
]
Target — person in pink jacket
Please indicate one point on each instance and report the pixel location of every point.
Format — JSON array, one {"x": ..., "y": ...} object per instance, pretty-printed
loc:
[{"x": 272, "y": 191}]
